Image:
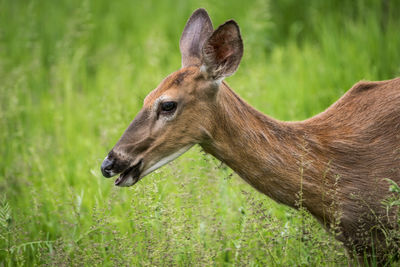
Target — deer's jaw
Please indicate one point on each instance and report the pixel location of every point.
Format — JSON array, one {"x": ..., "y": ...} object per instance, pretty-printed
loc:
[{"x": 133, "y": 173}]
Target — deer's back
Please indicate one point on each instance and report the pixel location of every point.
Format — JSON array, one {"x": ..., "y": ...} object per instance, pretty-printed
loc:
[
  {"x": 361, "y": 131},
  {"x": 359, "y": 136}
]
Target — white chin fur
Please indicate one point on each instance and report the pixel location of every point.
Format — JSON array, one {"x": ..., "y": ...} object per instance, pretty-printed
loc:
[
  {"x": 127, "y": 182},
  {"x": 165, "y": 160}
]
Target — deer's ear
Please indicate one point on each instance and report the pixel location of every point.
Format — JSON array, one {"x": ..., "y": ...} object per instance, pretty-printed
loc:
[
  {"x": 223, "y": 51},
  {"x": 197, "y": 30}
]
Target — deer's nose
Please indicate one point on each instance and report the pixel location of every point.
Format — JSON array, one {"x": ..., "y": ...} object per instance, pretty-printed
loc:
[{"x": 106, "y": 167}]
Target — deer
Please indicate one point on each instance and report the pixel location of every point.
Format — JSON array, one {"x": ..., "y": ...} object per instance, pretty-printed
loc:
[{"x": 340, "y": 159}]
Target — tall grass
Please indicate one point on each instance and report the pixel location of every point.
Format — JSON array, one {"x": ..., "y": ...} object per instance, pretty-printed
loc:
[{"x": 74, "y": 73}]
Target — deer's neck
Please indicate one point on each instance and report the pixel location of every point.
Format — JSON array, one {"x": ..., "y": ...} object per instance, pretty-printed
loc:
[{"x": 272, "y": 156}]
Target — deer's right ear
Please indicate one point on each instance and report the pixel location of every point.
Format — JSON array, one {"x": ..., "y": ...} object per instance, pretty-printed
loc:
[{"x": 197, "y": 30}]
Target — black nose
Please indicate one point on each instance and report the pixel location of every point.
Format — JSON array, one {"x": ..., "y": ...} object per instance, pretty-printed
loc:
[{"x": 106, "y": 167}]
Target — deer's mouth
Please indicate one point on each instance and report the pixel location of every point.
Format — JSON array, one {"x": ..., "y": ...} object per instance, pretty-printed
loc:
[{"x": 130, "y": 176}]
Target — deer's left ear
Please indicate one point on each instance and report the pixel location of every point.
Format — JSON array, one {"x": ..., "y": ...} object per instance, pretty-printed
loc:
[{"x": 223, "y": 51}]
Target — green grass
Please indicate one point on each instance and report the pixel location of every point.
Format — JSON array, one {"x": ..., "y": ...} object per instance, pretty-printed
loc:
[{"x": 73, "y": 74}]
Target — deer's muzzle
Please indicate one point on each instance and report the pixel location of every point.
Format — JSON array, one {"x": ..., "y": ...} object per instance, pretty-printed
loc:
[
  {"x": 129, "y": 173},
  {"x": 107, "y": 167}
]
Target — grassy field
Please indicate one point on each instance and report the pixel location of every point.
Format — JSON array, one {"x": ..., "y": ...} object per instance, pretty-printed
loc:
[{"x": 73, "y": 74}]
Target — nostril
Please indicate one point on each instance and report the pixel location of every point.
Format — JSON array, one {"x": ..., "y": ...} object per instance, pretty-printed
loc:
[
  {"x": 108, "y": 164},
  {"x": 106, "y": 167},
  {"x": 109, "y": 167}
]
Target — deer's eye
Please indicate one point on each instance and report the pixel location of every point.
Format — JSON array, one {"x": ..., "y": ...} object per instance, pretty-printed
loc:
[{"x": 168, "y": 107}]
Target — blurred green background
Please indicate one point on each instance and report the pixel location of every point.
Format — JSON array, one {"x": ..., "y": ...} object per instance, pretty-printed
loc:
[{"x": 73, "y": 74}]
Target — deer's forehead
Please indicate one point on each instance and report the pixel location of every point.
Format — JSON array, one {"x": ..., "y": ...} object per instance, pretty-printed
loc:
[{"x": 170, "y": 86}]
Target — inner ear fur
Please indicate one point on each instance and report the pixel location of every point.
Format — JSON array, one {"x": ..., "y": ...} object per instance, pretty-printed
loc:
[
  {"x": 197, "y": 30},
  {"x": 223, "y": 51}
]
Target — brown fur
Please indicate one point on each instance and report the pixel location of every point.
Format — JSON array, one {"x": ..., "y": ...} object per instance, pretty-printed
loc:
[{"x": 338, "y": 158}]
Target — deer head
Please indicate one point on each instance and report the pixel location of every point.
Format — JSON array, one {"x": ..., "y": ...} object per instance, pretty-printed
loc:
[{"x": 179, "y": 113}]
